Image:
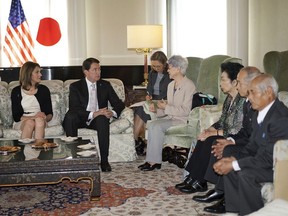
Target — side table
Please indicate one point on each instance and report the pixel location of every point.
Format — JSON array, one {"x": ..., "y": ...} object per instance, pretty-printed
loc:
[{"x": 135, "y": 94}]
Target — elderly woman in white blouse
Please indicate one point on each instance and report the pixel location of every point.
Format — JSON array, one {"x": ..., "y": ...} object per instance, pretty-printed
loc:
[{"x": 174, "y": 111}]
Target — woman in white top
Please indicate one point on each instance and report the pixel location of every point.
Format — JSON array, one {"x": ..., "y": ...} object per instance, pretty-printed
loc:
[{"x": 31, "y": 102}]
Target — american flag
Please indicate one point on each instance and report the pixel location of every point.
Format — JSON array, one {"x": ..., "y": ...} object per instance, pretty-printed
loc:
[{"x": 18, "y": 43}]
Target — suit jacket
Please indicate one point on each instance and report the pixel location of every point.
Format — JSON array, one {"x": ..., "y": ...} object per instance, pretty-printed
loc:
[
  {"x": 242, "y": 137},
  {"x": 258, "y": 153},
  {"x": 179, "y": 101},
  {"x": 79, "y": 98},
  {"x": 163, "y": 84}
]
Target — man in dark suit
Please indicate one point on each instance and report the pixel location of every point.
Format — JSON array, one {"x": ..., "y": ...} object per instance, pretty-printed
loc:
[
  {"x": 244, "y": 170},
  {"x": 244, "y": 77},
  {"x": 88, "y": 107}
]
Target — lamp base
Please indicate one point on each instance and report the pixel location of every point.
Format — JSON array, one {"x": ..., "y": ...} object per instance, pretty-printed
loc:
[{"x": 145, "y": 83}]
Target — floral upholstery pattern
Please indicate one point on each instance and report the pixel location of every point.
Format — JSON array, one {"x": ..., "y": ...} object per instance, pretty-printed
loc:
[
  {"x": 200, "y": 118},
  {"x": 278, "y": 189},
  {"x": 5, "y": 104},
  {"x": 283, "y": 96},
  {"x": 122, "y": 146}
]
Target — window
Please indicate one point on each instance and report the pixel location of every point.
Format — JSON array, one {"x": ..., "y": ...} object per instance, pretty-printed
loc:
[
  {"x": 45, "y": 55},
  {"x": 197, "y": 27}
]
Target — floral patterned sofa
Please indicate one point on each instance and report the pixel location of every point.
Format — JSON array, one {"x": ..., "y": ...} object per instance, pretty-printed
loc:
[{"x": 122, "y": 147}]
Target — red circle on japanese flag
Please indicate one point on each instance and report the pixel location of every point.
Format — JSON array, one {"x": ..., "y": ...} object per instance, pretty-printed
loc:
[{"x": 49, "y": 32}]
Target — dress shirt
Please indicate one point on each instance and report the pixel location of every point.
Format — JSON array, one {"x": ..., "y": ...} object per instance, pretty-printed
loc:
[{"x": 90, "y": 117}]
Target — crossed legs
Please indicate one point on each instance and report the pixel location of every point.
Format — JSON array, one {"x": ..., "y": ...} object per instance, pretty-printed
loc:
[{"x": 138, "y": 126}]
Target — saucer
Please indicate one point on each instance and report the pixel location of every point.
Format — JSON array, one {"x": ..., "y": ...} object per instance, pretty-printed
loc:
[
  {"x": 86, "y": 153},
  {"x": 87, "y": 146},
  {"x": 68, "y": 139}
]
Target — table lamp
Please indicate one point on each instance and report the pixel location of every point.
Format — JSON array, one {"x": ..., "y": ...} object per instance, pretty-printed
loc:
[{"x": 144, "y": 38}]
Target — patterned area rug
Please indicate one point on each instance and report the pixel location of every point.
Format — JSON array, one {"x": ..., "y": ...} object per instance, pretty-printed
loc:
[{"x": 124, "y": 191}]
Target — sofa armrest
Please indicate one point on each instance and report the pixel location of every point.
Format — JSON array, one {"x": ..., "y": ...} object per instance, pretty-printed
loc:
[
  {"x": 128, "y": 114},
  {"x": 203, "y": 117},
  {"x": 280, "y": 169},
  {"x": 125, "y": 122},
  {"x": 1, "y": 130},
  {"x": 200, "y": 118}
]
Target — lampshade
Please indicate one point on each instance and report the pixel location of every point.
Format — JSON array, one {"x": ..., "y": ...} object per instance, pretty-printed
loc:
[{"x": 144, "y": 36}]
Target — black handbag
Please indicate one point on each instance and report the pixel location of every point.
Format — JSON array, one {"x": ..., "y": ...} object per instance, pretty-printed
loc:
[
  {"x": 200, "y": 99},
  {"x": 177, "y": 156}
]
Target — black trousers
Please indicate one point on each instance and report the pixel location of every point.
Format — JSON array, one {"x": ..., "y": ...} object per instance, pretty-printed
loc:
[
  {"x": 199, "y": 160},
  {"x": 72, "y": 122},
  {"x": 212, "y": 176},
  {"x": 243, "y": 189}
]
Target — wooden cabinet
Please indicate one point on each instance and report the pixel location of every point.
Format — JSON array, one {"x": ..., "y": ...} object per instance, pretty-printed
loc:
[{"x": 134, "y": 94}]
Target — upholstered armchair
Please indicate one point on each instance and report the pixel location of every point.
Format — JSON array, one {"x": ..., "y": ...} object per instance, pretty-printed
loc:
[
  {"x": 193, "y": 68},
  {"x": 275, "y": 195},
  {"x": 276, "y": 63}
]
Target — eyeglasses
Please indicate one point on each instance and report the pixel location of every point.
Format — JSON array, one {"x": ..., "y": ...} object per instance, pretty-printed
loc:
[{"x": 157, "y": 66}]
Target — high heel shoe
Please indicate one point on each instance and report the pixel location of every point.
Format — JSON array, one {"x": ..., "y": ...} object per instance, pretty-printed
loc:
[{"x": 149, "y": 167}]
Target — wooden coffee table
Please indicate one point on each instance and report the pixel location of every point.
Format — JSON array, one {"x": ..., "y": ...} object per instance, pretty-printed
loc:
[{"x": 29, "y": 166}]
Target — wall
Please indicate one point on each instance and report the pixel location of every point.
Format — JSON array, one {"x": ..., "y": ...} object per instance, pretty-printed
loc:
[
  {"x": 106, "y": 28},
  {"x": 268, "y": 28},
  {"x": 237, "y": 29}
]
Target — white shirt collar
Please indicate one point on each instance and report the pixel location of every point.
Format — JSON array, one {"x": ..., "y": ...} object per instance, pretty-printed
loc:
[
  {"x": 262, "y": 113},
  {"x": 89, "y": 83}
]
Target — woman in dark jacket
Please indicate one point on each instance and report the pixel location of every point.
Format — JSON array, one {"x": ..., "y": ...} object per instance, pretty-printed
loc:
[
  {"x": 31, "y": 103},
  {"x": 156, "y": 90}
]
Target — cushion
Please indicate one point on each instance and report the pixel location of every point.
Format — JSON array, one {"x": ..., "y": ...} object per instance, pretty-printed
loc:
[
  {"x": 116, "y": 127},
  {"x": 277, "y": 207},
  {"x": 53, "y": 131},
  {"x": 267, "y": 192},
  {"x": 56, "y": 106},
  {"x": 119, "y": 126}
]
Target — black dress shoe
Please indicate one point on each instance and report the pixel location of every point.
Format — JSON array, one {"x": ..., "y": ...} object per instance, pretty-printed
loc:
[
  {"x": 210, "y": 196},
  {"x": 218, "y": 208},
  {"x": 142, "y": 165},
  {"x": 105, "y": 167},
  {"x": 183, "y": 184},
  {"x": 196, "y": 186},
  {"x": 149, "y": 167}
]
